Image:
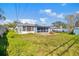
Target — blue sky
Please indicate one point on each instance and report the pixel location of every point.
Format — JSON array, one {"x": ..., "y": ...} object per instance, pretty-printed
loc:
[{"x": 44, "y": 13}]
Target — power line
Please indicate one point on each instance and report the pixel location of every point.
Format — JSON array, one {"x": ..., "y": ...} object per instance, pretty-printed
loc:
[{"x": 16, "y": 11}]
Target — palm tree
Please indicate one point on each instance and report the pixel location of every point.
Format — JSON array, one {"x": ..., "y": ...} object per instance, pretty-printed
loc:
[
  {"x": 71, "y": 23},
  {"x": 2, "y": 17}
]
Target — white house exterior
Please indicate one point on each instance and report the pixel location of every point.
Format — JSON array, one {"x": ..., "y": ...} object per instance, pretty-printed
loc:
[{"x": 31, "y": 28}]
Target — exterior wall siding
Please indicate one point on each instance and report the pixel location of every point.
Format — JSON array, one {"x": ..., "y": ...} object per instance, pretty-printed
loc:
[{"x": 35, "y": 29}]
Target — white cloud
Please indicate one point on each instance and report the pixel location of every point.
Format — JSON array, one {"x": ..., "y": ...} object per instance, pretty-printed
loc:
[
  {"x": 49, "y": 12},
  {"x": 53, "y": 14},
  {"x": 60, "y": 16},
  {"x": 77, "y": 11},
  {"x": 43, "y": 20},
  {"x": 31, "y": 21},
  {"x": 63, "y": 4},
  {"x": 46, "y": 11},
  {"x": 6, "y": 21}
]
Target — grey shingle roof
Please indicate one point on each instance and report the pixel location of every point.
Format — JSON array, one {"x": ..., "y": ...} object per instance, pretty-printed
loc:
[{"x": 27, "y": 24}]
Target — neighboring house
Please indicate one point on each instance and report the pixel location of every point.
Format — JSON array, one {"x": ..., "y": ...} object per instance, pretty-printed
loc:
[
  {"x": 31, "y": 28},
  {"x": 77, "y": 23},
  {"x": 76, "y": 29}
]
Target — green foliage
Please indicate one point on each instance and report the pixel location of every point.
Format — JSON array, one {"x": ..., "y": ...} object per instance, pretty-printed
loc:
[
  {"x": 3, "y": 45},
  {"x": 34, "y": 44},
  {"x": 59, "y": 23},
  {"x": 10, "y": 25},
  {"x": 39, "y": 45}
]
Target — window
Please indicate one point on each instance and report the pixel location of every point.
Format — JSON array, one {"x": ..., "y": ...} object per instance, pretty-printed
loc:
[
  {"x": 29, "y": 28},
  {"x": 24, "y": 28},
  {"x": 42, "y": 29}
]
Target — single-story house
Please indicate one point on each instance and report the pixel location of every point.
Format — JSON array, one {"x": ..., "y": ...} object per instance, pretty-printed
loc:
[{"x": 24, "y": 28}]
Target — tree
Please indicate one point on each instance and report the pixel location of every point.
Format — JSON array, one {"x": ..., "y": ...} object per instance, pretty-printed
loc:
[
  {"x": 59, "y": 24},
  {"x": 11, "y": 25},
  {"x": 2, "y": 17},
  {"x": 71, "y": 23}
]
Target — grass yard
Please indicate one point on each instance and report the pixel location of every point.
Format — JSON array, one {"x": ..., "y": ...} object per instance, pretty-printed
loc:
[{"x": 42, "y": 45}]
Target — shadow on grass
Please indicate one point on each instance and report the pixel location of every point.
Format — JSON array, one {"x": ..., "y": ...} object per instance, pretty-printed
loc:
[
  {"x": 3, "y": 45},
  {"x": 62, "y": 45},
  {"x": 68, "y": 48}
]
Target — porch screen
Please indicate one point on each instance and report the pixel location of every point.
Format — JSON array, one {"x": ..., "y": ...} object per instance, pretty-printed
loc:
[{"x": 29, "y": 28}]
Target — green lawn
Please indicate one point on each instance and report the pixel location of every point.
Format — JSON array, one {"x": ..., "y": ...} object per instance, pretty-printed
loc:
[{"x": 36, "y": 45}]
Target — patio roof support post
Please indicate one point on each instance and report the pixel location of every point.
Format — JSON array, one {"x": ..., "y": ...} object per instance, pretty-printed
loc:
[{"x": 35, "y": 29}]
